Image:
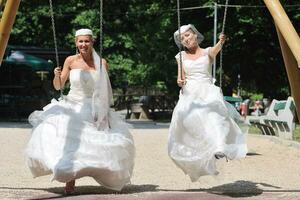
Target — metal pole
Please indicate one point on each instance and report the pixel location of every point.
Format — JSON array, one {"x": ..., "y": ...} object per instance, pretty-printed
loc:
[
  {"x": 285, "y": 27},
  {"x": 6, "y": 23},
  {"x": 215, "y": 36},
  {"x": 179, "y": 33},
  {"x": 239, "y": 86}
]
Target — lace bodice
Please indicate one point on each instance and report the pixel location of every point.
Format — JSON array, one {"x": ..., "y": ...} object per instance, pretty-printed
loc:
[
  {"x": 82, "y": 83},
  {"x": 199, "y": 69}
]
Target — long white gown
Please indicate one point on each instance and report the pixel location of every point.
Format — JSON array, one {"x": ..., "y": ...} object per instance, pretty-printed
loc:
[
  {"x": 203, "y": 123},
  {"x": 66, "y": 143}
]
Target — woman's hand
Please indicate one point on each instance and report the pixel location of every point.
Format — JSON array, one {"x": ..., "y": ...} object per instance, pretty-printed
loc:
[
  {"x": 217, "y": 48},
  {"x": 57, "y": 72},
  {"x": 222, "y": 38},
  {"x": 181, "y": 82},
  {"x": 57, "y": 82}
]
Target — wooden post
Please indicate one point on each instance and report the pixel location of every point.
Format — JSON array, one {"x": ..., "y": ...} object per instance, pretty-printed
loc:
[
  {"x": 6, "y": 23},
  {"x": 290, "y": 48},
  {"x": 292, "y": 70},
  {"x": 285, "y": 27}
]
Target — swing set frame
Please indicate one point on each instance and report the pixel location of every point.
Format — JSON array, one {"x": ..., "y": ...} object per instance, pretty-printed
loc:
[{"x": 287, "y": 35}]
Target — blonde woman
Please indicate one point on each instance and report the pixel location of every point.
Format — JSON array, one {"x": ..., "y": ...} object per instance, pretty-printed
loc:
[{"x": 79, "y": 135}]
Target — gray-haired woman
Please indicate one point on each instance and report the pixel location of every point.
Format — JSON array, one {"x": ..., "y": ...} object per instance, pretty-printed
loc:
[{"x": 202, "y": 129}]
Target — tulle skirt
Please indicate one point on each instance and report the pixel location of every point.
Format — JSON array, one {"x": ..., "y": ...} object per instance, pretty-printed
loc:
[
  {"x": 203, "y": 124},
  {"x": 66, "y": 143}
]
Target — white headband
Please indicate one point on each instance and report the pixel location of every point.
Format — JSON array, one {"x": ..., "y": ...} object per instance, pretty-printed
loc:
[
  {"x": 84, "y": 31},
  {"x": 185, "y": 28}
]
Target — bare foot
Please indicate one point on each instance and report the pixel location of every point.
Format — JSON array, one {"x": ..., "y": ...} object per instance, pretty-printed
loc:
[{"x": 70, "y": 187}]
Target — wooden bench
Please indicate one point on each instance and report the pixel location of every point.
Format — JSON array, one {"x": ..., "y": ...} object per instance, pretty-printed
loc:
[
  {"x": 264, "y": 128},
  {"x": 151, "y": 107},
  {"x": 140, "y": 110},
  {"x": 279, "y": 120}
]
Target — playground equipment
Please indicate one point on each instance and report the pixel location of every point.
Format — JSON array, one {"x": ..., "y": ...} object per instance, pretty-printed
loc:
[
  {"x": 290, "y": 47},
  {"x": 7, "y": 21},
  {"x": 221, "y": 52},
  {"x": 288, "y": 37}
]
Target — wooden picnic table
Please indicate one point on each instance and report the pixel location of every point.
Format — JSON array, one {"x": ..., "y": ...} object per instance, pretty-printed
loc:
[{"x": 144, "y": 106}]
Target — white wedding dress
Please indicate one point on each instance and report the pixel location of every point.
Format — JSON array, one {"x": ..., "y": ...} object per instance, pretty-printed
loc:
[
  {"x": 203, "y": 123},
  {"x": 66, "y": 143}
]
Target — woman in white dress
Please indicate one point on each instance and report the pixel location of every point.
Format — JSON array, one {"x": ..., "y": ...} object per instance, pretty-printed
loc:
[
  {"x": 203, "y": 127},
  {"x": 80, "y": 135}
]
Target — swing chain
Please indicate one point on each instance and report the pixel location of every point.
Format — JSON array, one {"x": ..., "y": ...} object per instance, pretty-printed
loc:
[
  {"x": 54, "y": 32},
  {"x": 179, "y": 35},
  {"x": 221, "y": 52},
  {"x": 225, "y": 16},
  {"x": 101, "y": 32},
  {"x": 55, "y": 45}
]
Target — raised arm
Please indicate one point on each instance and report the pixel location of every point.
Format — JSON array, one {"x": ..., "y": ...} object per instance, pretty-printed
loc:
[
  {"x": 213, "y": 52},
  {"x": 60, "y": 76}
]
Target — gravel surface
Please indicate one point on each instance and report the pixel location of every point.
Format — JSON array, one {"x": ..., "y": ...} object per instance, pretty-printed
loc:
[{"x": 272, "y": 166}]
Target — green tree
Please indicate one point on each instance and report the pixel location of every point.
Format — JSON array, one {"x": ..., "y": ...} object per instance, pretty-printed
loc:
[{"x": 138, "y": 39}]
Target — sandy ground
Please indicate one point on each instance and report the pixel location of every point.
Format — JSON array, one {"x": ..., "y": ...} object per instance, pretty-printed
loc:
[{"x": 272, "y": 165}]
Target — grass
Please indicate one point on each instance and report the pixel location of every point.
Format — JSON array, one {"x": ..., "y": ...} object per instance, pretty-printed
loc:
[
  {"x": 296, "y": 133},
  {"x": 254, "y": 130}
]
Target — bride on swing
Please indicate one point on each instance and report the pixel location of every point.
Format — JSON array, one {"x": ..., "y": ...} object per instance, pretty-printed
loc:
[
  {"x": 203, "y": 127},
  {"x": 80, "y": 135}
]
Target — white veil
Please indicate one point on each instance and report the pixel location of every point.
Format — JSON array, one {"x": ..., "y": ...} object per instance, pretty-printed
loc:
[
  {"x": 102, "y": 96},
  {"x": 185, "y": 28}
]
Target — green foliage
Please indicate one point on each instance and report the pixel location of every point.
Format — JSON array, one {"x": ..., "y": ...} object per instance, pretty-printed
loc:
[
  {"x": 296, "y": 133},
  {"x": 256, "y": 97},
  {"x": 138, "y": 39},
  {"x": 161, "y": 86},
  {"x": 119, "y": 69}
]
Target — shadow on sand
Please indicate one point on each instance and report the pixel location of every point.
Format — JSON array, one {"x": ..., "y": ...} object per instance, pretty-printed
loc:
[
  {"x": 236, "y": 189},
  {"x": 239, "y": 188},
  {"x": 58, "y": 192}
]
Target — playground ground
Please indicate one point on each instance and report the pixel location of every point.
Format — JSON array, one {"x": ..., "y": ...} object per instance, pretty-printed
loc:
[{"x": 271, "y": 171}]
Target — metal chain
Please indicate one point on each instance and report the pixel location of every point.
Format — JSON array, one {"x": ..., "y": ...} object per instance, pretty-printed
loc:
[
  {"x": 55, "y": 44},
  {"x": 101, "y": 32},
  {"x": 221, "y": 67},
  {"x": 225, "y": 16},
  {"x": 179, "y": 32},
  {"x": 221, "y": 52},
  {"x": 54, "y": 32}
]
